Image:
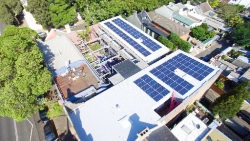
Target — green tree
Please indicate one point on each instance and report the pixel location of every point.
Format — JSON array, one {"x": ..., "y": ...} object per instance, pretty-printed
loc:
[
  {"x": 40, "y": 11},
  {"x": 61, "y": 13},
  {"x": 9, "y": 11},
  {"x": 24, "y": 76},
  {"x": 210, "y": 34},
  {"x": 235, "y": 20},
  {"x": 166, "y": 42},
  {"x": 230, "y": 103},
  {"x": 95, "y": 11},
  {"x": 214, "y": 3},
  {"x": 199, "y": 33},
  {"x": 177, "y": 41},
  {"x": 55, "y": 110},
  {"x": 227, "y": 11},
  {"x": 241, "y": 34}
]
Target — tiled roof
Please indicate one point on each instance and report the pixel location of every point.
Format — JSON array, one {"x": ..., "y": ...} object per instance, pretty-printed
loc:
[
  {"x": 183, "y": 19},
  {"x": 168, "y": 24},
  {"x": 205, "y": 7}
]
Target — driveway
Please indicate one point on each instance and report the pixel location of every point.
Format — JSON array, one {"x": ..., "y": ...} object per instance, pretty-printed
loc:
[{"x": 215, "y": 49}]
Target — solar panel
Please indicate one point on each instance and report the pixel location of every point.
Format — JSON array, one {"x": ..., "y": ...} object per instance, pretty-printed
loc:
[
  {"x": 151, "y": 87},
  {"x": 165, "y": 72},
  {"x": 192, "y": 67},
  {"x": 129, "y": 40},
  {"x": 136, "y": 34}
]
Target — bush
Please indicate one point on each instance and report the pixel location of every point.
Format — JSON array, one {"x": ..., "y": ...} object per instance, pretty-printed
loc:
[
  {"x": 166, "y": 42},
  {"x": 177, "y": 41},
  {"x": 201, "y": 32},
  {"x": 220, "y": 84},
  {"x": 55, "y": 110},
  {"x": 223, "y": 57}
]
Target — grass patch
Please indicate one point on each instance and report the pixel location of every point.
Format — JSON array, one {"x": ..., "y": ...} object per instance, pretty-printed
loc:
[
  {"x": 95, "y": 46},
  {"x": 89, "y": 57}
]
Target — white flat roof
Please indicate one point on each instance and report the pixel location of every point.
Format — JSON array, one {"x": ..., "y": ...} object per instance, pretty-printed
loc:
[
  {"x": 153, "y": 56},
  {"x": 124, "y": 110},
  {"x": 190, "y": 128}
]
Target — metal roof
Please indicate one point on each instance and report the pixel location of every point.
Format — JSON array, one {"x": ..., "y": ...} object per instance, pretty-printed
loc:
[
  {"x": 165, "y": 11},
  {"x": 59, "y": 51},
  {"x": 183, "y": 19}
]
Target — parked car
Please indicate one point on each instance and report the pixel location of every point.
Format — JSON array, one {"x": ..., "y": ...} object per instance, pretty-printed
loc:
[
  {"x": 244, "y": 115},
  {"x": 49, "y": 133},
  {"x": 43, "y": 115}
]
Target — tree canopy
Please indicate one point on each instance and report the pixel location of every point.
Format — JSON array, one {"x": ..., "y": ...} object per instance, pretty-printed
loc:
[
  {"x": 166, "y": 42},
  {"x": 235, "y": 21},
  {"x": 40, "y": 11},
  {"x": 95, "y": 11},
  {"x": 24, "y": 76},
  {"x": 230, "y": 103},
  {"x": 9, "y": 11},
  {"x": 62, "y": 13},
  {"x": 177, "y": 41},
  {"x": 201, "y": 32},
  {"x": 241, "y": 34},
  {"x": 228, "y": 11},
  {"x": 214, "y": 3}
]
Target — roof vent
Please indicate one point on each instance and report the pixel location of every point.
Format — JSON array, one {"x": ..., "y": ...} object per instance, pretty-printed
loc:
[
  {"x": 143, "y": 132},
  {"x": 118, "y": 107}
]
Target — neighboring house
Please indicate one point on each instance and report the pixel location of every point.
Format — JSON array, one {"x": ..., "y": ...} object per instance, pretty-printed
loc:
[
  {"x": 157, "y": 25},
  {"x": 143, "y": 22},
  {"x": 246, "y": 3},
  {"x": 184, "y": 15},
  {"x": 2, "y": 26},
  {"x": 168, "y": 25},
  {"x": 211, "y": 17}
]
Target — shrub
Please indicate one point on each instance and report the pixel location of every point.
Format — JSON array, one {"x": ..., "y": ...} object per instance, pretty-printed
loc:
[
  {"x": 55, "y": 110},
  {"x": 166, "y": 42}
]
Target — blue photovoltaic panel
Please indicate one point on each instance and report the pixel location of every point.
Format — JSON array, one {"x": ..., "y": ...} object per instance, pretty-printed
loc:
[
  {"x": 129, "y": 40},
  {"x": 190, "y": 66},
  {"x": 165, "y": 72},
  {"x": 136, "y": 34},
  {"x": 151, "y": 87}
]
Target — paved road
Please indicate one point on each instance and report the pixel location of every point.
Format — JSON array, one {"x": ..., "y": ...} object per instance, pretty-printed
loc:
[
  {"x": 18, "y": 131},
  {"x": 215, "y": 49},
  {"x": 7, "y": 130}
]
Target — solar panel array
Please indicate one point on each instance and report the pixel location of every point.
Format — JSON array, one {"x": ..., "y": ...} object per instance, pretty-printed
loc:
[
  {"x": 165, "y": 72},
  {"x": 190, "y": 66},
  {"x": 129, "y": 40},
  {"x": 136, "y": 34},
  {"x": 151, "y": 87}
]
